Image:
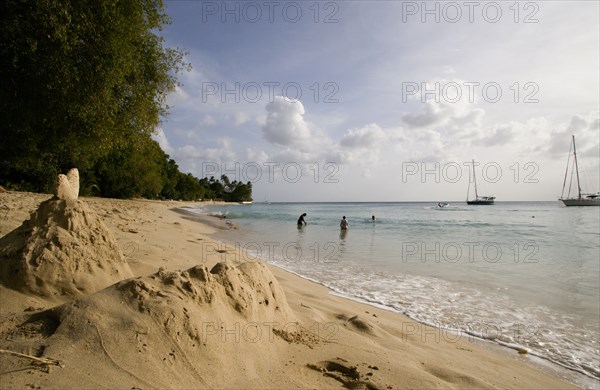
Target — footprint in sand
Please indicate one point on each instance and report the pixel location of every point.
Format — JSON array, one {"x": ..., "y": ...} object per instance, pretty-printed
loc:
[
  {"x": 35, "y": 328},
  {"x": 358, "y": 323},
  {"x": 340, "y": 370}
]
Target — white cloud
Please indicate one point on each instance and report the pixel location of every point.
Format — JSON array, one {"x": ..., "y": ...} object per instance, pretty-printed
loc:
[
  {"x": 207, "y": 120},
  {"x": 371, "y": 147},
  {"x": 160, "y": 137},
  {"x": 586, "y": 130},
  {"x": 448, "y": 105},
  {"x": 542, "y": 138},
  {"x": 256, "y": 156},
  {"x": 500, "y": 135},
  {"x": 224, "y": 152},
  {"x": 261, "y": 120},
  {"x": 424, "y": 145},
  {"x": 432, "y": 114},
  {"x": 285, "y": 124},
  {"x": 178, "y": 97},
  {"x": 362, "y": 147},
  {"x": 365, "y": 137},
  {"x": 240, "y": 118}
]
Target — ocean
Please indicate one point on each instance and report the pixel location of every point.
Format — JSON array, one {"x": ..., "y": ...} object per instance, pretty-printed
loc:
[{"x": 522, "y": 274}]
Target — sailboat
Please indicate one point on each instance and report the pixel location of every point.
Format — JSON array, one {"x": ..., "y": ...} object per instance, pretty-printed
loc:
[
  {"x": 582, "y": 198},
  {"x": 479, "y": 200}
]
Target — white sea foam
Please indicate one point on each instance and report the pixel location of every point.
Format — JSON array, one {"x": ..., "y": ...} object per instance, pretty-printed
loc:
[
  {"x": 465, "y": 310},
  {"x": 541, "y": 298}
]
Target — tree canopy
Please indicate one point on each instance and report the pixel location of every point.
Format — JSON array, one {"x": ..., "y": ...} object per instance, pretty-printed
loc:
[{"x": 84, "y": 84}]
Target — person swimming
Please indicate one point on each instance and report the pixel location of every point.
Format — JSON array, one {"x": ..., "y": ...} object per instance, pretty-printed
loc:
[{"x": 344, "y": 223}]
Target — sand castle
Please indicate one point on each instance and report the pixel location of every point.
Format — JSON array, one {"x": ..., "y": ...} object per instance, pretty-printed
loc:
[
  {"x": 63, "y": 249},
  {"x": 180, "y": 321},
  {"x": 67, "y": 186}
]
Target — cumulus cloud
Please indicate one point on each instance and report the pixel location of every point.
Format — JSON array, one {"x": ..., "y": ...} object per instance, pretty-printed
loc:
[
  {"x": 257, "y": 156},
  {"x": 443, "y": 131},
  {"x": 366, "y": 147},
  {"x": 436, "y": 131},
  {"x": 207, "y": 120},
  {"x": 361, "y": 147},
  {"x": 424, "y": 145},
  {"x": 451, "y": 110},
  {"x": 433, "y": 113},
  {"x": 524, "y": 138},
  {"x": 160, "y": 137},
  {"x": 178, "y": 97},
  {"x": 240, "y": 118},
  {"x": 500, "y": 135},
  {"x": 586, "y": 130},
  {"x": 223, "y": 152},
  {"x": 295, "y": 139},
  {"x": 364, "y": 137},
  {"x": 543, "y": 138},
  {"x": 464, "y": 124},
  {"x": 261, "y": 120},
  {"x": 285, "y": 124}
]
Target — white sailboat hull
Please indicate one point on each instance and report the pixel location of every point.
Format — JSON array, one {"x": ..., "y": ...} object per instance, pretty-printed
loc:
[{"x": 581, "y": 202}]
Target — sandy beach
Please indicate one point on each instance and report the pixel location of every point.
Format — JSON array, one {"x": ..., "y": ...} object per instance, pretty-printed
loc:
[{"x": 172, "y": 308}]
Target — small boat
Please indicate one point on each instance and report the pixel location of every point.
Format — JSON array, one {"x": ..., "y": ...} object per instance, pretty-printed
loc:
[
  {"x": 246, "y": 202},
  {"x": 582, "y": 199},
  {"x": 479, "y": 200}
]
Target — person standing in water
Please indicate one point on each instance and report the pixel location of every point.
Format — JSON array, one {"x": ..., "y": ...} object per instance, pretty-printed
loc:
[
  {"x": 373, "y": 218},
  {"x": 301, "y": 220},
  {"x": 344, "y": 223}
]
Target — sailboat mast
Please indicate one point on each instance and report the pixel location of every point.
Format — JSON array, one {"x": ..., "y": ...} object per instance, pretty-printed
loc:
[
  {"x": 576, "y": 168},
  {"x": 475, "y": 180},
  {"x": 469, "y": 186},
  {"x": 562, "y": 194}
]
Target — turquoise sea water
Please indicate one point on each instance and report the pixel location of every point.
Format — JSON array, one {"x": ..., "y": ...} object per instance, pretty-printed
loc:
[{"x": 523, "y": 274}]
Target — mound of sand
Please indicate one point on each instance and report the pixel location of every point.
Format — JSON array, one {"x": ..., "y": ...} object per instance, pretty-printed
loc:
[
  {"x": 248, "y": 292},
  {"x": 185, "y": 329},
  {"x": 63, "y": 249}
]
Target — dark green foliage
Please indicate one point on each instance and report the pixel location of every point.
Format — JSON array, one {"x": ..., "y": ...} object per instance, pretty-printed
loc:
[
  {"x": 134, "y": 171},
  {"x": 187, "y": 187},
  {"x": 80, "y": 79},
  {"x": 235, "y": 191},
  {"x": 84, "y": 85}
]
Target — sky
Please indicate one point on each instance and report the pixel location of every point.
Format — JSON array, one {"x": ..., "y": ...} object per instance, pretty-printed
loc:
[{"x": 386, "y": 100}]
